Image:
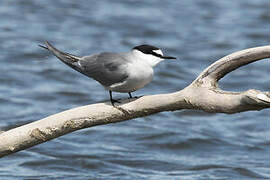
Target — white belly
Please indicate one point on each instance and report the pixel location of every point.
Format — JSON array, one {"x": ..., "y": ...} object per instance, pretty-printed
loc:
[{"x": 139, "y": 75}]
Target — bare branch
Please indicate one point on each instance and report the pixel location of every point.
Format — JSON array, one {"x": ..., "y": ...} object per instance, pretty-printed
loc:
[
  {"x": 202, "y": 94},
  {"x": 211, "y": 75}
]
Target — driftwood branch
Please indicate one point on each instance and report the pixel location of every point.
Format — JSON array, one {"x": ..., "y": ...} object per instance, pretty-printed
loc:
[{"x": 202, "y": 94}]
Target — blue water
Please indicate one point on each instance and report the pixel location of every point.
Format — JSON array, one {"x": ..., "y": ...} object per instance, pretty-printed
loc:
[{"x": 171, "y": 145}]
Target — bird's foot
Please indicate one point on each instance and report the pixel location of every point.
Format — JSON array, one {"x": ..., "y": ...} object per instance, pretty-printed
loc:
[
  {"x": 130, "y": 96},
  {"x": 134, "y": 97},
  {"x": 114, "y": 101}
]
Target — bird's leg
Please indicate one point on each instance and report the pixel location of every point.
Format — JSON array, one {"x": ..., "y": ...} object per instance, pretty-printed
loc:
[
  {"x": 113, "y": 100},
  {"x": 130, "y": 96}
]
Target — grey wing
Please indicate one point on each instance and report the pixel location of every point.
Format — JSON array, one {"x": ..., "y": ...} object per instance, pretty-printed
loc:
[{"x": 106, "y": 68}]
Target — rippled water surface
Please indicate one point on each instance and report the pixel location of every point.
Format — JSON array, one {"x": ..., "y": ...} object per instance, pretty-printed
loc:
[{"x": 171, "y": 145}]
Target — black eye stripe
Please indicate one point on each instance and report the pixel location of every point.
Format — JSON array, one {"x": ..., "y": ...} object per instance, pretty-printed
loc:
[{"x": 156, "y": 54}]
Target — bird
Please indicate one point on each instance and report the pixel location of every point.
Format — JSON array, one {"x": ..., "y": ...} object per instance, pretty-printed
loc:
[{"x": 123, "y": 72}]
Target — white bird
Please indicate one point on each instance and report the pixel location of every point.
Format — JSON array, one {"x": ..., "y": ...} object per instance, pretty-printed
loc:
[{"x": 119, "y": 72}]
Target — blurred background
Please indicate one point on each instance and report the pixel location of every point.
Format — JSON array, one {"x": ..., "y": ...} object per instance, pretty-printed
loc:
[{"x": 170, "y": 145}]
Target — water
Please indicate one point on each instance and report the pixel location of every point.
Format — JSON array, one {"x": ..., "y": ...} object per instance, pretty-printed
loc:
[{"x": 171, "y": 145}]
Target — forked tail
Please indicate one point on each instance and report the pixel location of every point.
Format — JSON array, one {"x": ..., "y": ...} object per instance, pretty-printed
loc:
[{"x": 67, "y": 58}]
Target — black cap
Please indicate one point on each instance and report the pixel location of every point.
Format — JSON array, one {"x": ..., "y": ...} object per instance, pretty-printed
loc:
[{"x": 148, "y": 49}]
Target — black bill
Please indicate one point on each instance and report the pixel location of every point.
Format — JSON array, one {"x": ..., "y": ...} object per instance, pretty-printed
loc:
[{"x": 168, "y": 57}]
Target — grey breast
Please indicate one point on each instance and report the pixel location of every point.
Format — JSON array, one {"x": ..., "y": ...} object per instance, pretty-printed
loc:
[{"x": 106, "y": 68}]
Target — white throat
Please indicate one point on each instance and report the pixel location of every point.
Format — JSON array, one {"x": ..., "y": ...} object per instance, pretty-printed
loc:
[{"x": 150, "y": 59}]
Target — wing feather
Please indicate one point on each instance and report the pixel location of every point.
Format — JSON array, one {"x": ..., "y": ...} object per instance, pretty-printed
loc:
[{"x": 106, "y": 68}]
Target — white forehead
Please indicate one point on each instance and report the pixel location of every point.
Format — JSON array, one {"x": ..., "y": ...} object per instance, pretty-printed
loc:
[{"x": 158, "y": 51}]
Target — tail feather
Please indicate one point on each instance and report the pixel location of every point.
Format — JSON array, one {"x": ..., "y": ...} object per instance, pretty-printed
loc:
[
  {"x": 43, "y": 46},
  {"x": 67, "y": 58}
]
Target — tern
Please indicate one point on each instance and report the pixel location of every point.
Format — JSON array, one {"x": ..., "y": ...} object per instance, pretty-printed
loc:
[{"x": 123, "y": 72}]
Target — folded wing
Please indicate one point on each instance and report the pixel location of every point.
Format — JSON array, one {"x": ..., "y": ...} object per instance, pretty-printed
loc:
[{"x": 106, "y": 68}]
